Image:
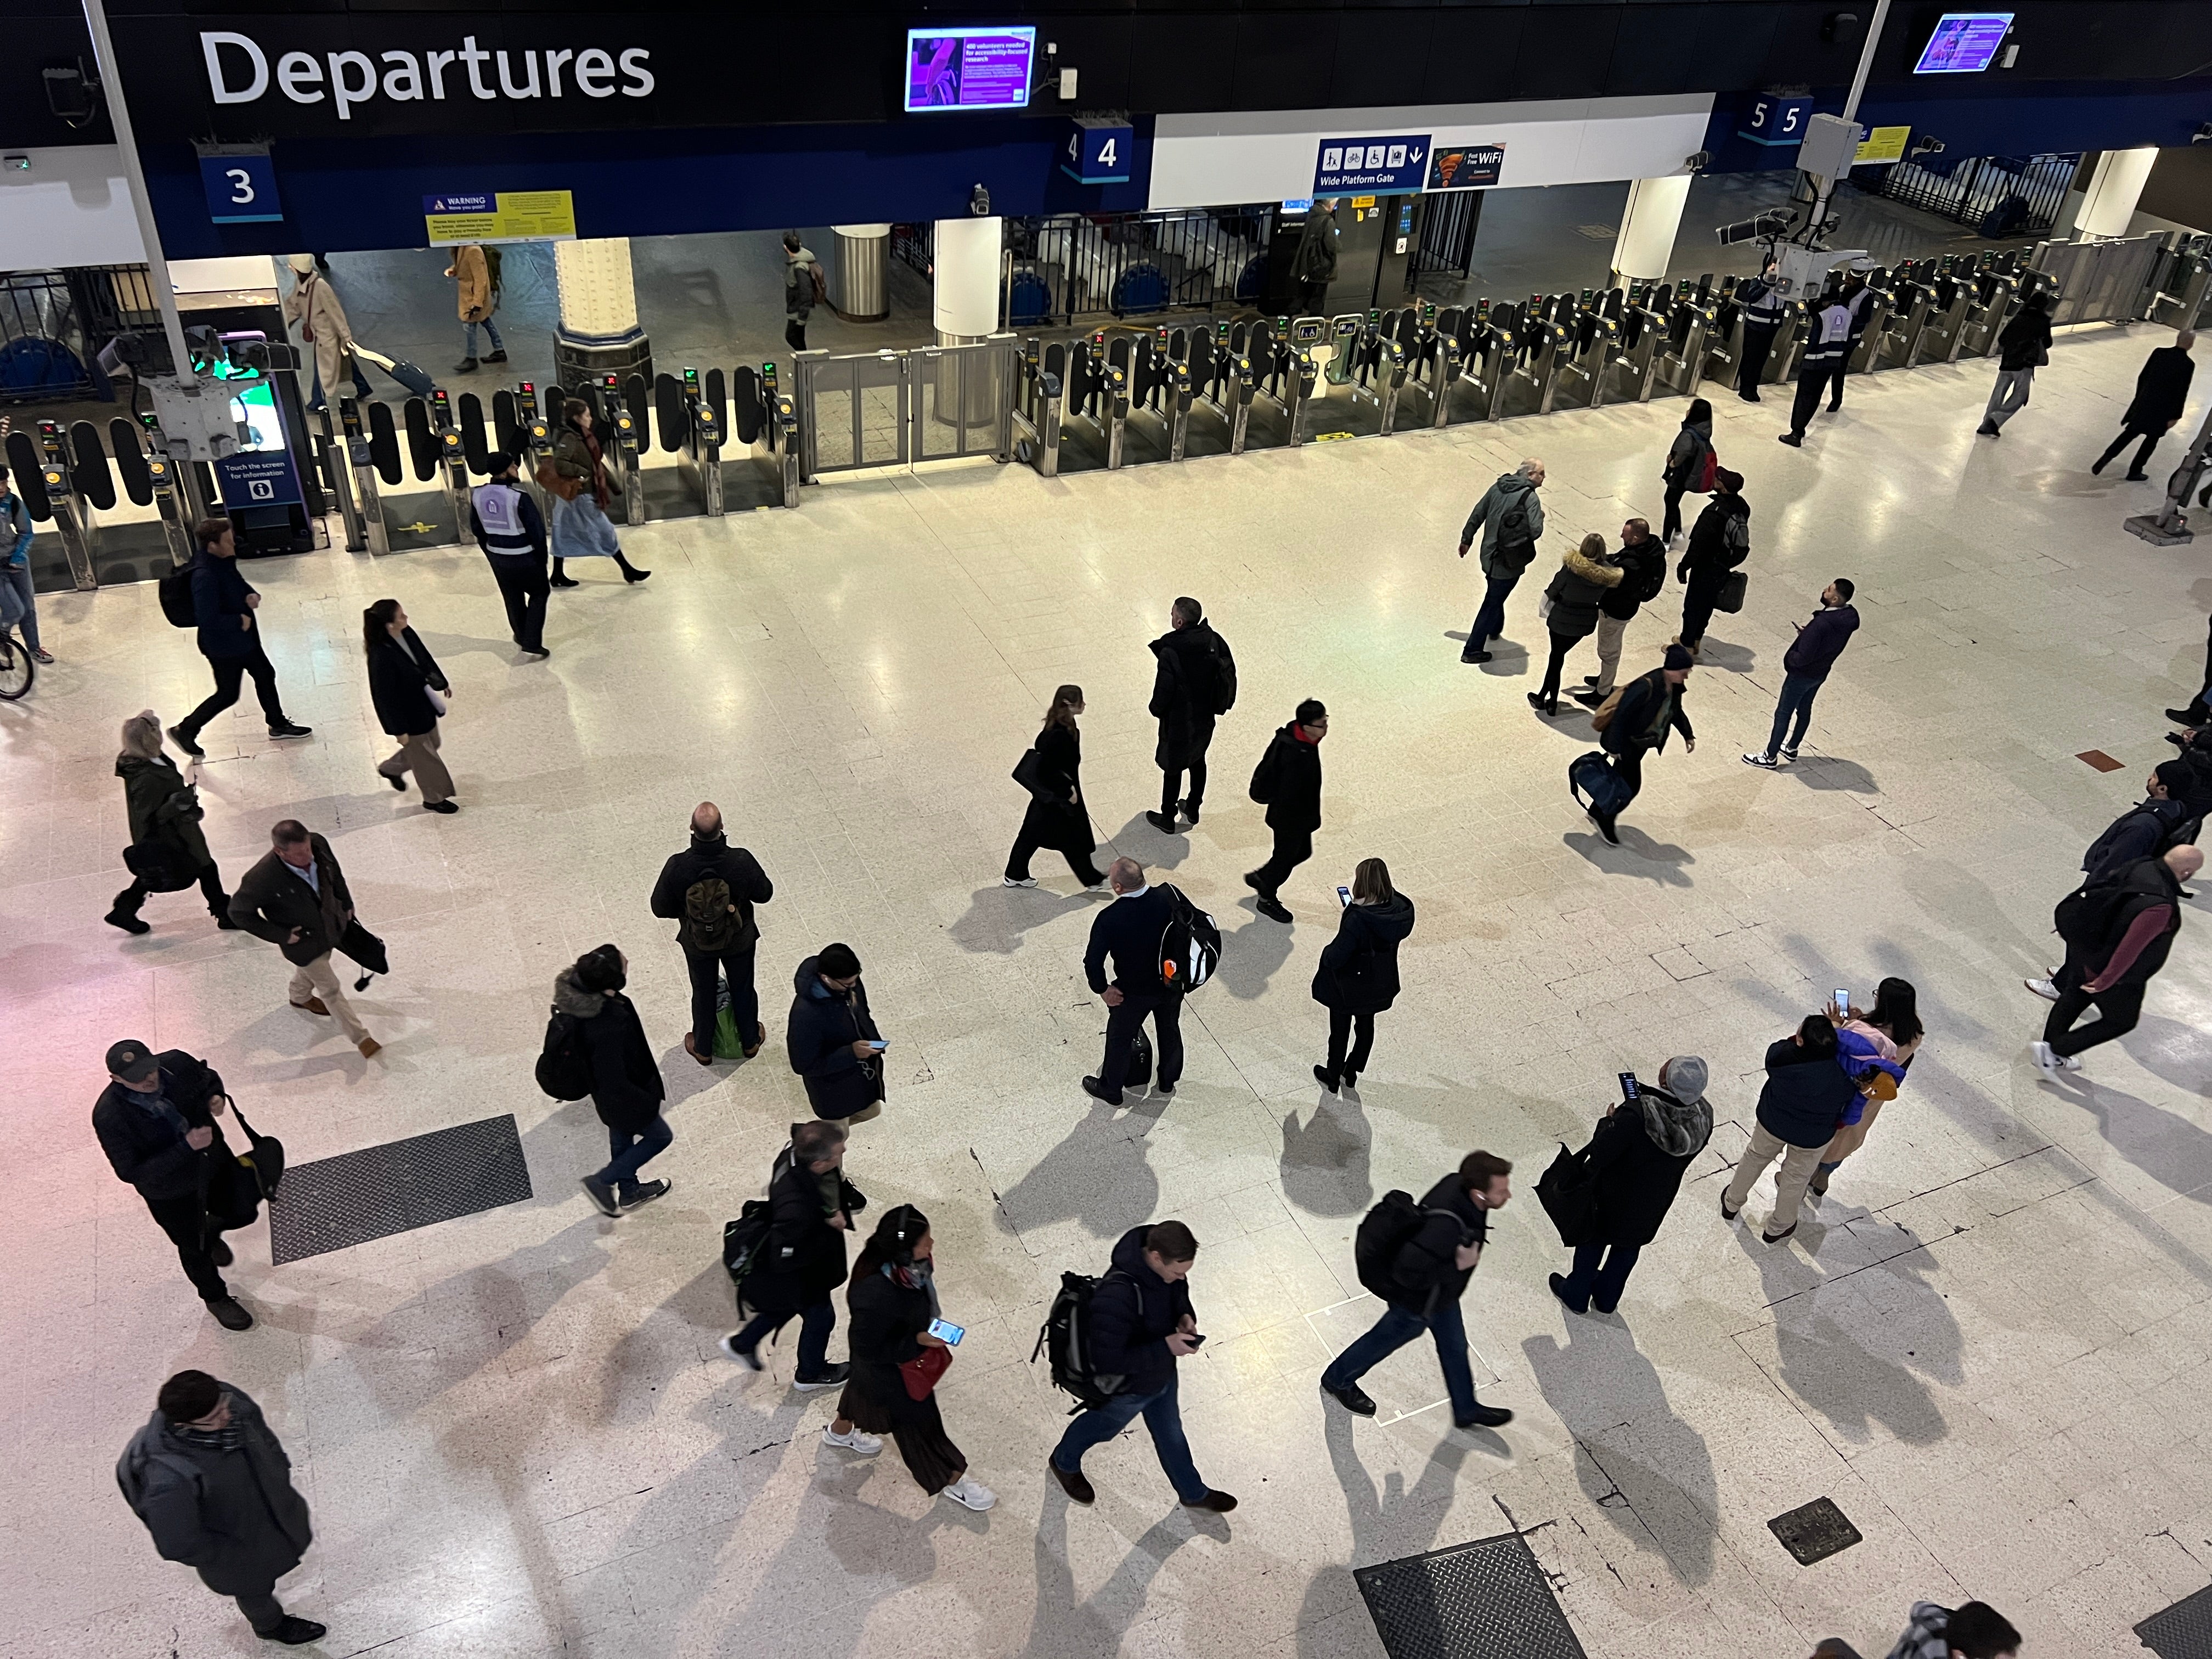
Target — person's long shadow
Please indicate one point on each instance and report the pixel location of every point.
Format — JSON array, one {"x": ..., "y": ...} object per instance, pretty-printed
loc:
[
  {"x": 1325, "y": 1164},
  {"x": 1093, "y": 1628},
  {"x": 1250, "y": 955},
  {"x": 997, "y": 916},
  {"x": 1636, "y": 856},
  {"x": 1827, "y": 772},
  {"x": 456, "y": 645},
  {"x": 2178, "y": 1054},
  {"x": 1719, "y": 655},
  {"x": 1633, "y": 1445},
  {"x": 1155, "y": 849},
  {"x": 1100, "y": 1176},
  {"x": 2163, "y": 1145}
]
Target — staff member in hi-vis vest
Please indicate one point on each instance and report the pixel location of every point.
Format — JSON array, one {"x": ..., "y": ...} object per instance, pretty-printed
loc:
[{"x": 508, "y": 526}]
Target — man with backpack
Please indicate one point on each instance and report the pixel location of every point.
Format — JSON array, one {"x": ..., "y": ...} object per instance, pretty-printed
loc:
[
  {"x": 1805, "y": 668},
  {"x": 1135, "y": 931},
  {"x": 1287, "y": 782},
  {"x": 213, "y": 1485},
  {"x": 1720, "y": 541},
  {"x": 803, "y": 289},
  {"x": 1642, "y": 560},
  {"x": 708, "y": 890},
  {"x": 1194, "y": 685},
  {"x": 1418, "y": 1258},
  {"x": 801, "y": 1260},
  {"x": 1139, "y": 1323},
  {"x": 221, "y": 604},
  {"x": 2118, "y": 932},
  {"x": 1510, "y": 517}
]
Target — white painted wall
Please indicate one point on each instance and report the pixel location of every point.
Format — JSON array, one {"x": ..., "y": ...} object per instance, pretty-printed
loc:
[
  {"x": 1206, "y": 160},
  {"x": 72, "y": 208}
]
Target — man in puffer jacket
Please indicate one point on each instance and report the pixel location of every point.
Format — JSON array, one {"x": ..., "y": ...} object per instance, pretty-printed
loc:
[
  {"x": 832, "y": 1040},
  {"x": 1510, "y": 517},
  {"x": 1807, "y": 1096},
  {"x": 626, "y": 1086}
]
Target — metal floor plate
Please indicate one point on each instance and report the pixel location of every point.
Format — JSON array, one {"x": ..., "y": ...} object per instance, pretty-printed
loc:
[
  {"x": 2183, "y": 1630},
  {"x": 1815, "y": 1531},
  {"x": 1487, "y": 1600},
  {"x": 354, "y": 1197}
]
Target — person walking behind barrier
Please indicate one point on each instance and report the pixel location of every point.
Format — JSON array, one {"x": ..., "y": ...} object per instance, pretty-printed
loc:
[
  {"x": 1820, "y": 366},
  {"x": 1130, "y": 930},
  {"x": 211, "y": 1482},
  {"x": 1642, "y": 560},
  {"x": 296, "y": 898},
  {"x": 708, "y": 890},
  {"x": 580, "y": 531},
  {"x": 313, "y": 304},
  {"x": 1586, "y": 575},
  {"x": 802, "y": 288},
  {"x": 168, "y": 850},
  {"x": 229, "y": 636},
  {"x": 1803, "y": 1103},
  {"x": 1688, "y": 467},
  {"x": 626, "y": 1087},
  {"x": 473, "y": 272},
  {"x": 1805, "y": 668},
  {"x": 2118, "y": 932},
  {"x": 891, "y": 1300},
  {"x": 832, "y": 1040},
  {"x": 1510, "y": 515},
  {"x": 1141, "y": 1324},
  {"x": 157, "y": 1122},
  {"x": 810, "y": 1207},
  {"x": 509, "y": 528},
  {"x": 1976, "y": 1631},
  {"x": 2161, "y": 394},
  {"x": 1357, "y": 977},
  {"x": 1313, "y": 265},
  {"x": 1194, "y": 685},
  {"x": 1058, "y": 816},
  {"x": 19, "y": 599},
  {"x": 1287, "y": 782},
  {"x": 1650, "y": 707},
  {"x": 410, "y": 691},
  {"x": 1763, "y": 309},
  {"x": 1634, "y": 1166},
  {"x": 1418, "y": 1258},
  {"x": 580, "y": 454},
  {"x": 2023, "y": 347},
  {"x": 1719, "y": 542}
]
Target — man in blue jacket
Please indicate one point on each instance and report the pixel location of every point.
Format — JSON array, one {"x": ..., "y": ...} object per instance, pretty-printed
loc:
[
  {"x": 1129, "y": 930},
  {"x": 1805, "y": 668},
  {"x": 1141, "y": 1323},
  {"x": 1804, "y": 1101},
  {"x": 223, "y": 604}
]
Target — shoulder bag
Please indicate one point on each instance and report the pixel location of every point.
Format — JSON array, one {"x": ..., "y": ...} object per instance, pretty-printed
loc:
[{"x": 919, "y": 1374}]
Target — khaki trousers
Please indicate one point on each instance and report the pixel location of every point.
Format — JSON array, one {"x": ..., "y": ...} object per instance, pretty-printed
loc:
[
  {"x": 1610, "y": 632},
  {"x": 319, "y": 979},
  {"x": 419, "y": 755},
  {"x": 1798, "y": 1163}
]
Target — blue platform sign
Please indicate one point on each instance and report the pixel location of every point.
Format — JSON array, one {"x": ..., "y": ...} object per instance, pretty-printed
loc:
[
  {"x": 1097, "y": 152},
  {"x": 1378, "y": 165},
  {"x": 241, "y": 189},
  {"x": 257, "y": 478},
  {"x": 1775, "y": 119}
]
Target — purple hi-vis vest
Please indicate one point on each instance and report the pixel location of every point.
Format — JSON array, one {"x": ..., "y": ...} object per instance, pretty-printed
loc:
[{"x": 498, "y": 507}]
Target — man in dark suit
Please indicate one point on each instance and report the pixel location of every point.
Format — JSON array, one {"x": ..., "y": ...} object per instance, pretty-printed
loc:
[
  {"x": 223, "y": 604},
  {"x": 297, "y": 899},
  {"x": 1129, "y": 930},
  {"x": 157, "y": 1122},
  {"x": 1288, "y": 783},
  {"x": 2162, "y": 393}
]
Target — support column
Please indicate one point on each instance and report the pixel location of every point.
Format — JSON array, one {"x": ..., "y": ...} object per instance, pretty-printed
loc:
[
  {"x": 967, "y": 263},
  {"x": 599, "y": 333},
  {"x": 2114, "y": 189},
  {"x": 1647, "y": 224},
  {"x": 863, "y": 272}
]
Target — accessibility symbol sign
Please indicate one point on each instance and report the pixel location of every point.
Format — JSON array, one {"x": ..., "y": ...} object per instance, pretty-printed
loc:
[{"x": 1398, "y": 162}]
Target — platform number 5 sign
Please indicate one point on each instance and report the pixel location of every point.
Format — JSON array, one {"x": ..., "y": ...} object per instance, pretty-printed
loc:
[
  {"x": 1776, "y": 120},
  {"x": 241, "y": 186},
  {"x": 1097, "y": 152}
]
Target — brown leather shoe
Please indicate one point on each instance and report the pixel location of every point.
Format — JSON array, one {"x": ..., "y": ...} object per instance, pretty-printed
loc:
[
  {"x": 760, "y": 1036},
  {"x": 369, "y": 1047},
  {"x": 313, "y": 1005},
  {"x": 1074, "y": 1485},
  {"x": 691, "y": 1048}
]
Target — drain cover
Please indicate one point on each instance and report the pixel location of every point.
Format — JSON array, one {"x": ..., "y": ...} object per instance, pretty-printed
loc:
[
  {"x": 348, "y": 1199},
  {"x": 1815, "y": 1532},
  {"x": 1487, "y": 1600},
  {"x": 2183, "y": 1630}
]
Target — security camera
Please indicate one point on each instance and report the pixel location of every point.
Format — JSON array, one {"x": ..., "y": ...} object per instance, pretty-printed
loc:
[
  {"x": 1926, "y": 146},
  {"x": 1697, "y": 161},
  {"x": 1775, "y": 222},
  {"x": 979, "y": 202},
  {"x": 2202, "y": 135}
]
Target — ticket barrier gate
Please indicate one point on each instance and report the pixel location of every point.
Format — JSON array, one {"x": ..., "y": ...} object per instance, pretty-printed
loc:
[
  {"x": 1996, "y": 296},
  {"x": 142, "y": 455},
  {"x": 629, "y": 433},
  {"x": 1945, "y": 333},
  {"x": 1220, "y": 387},
  {"x": 1545, "y": 347},
  {"x": 360, "y": 461},
  {"x": 698, "y": 420},
  {"x": 2185, "y": 285},
  {"x": 337, "y": 462},
  {"x": 1284, "y": 376},
  {"x": 1681, "y": 360},
  {"x": 1898, "y": 345},
  {"x": 1597, "y": 346},
  {"x": 72, "y": 514},
  {"x": 1485, "y": 357}
]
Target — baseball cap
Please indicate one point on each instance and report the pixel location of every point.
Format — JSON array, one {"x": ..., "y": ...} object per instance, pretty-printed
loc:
[{"x": 132, "y": 1061}]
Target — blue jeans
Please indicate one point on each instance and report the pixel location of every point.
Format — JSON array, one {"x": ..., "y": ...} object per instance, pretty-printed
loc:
[
  {"x": 469, "y": 333},
  {"x": 1162, "y": 1415},
  {"x": 1798, "y": 691},
  {"x": 19, "y": 602},
  {"x": 1591, "y": 1285},
  {"x": 630, "y": 1152},
  {"x": 815, "y": 1324},
  {"x": 1393, "y": 1332},
  {"x": 1490, "y": 620}
]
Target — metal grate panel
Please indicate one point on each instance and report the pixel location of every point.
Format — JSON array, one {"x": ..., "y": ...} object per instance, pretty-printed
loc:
[
  {"x": 1487, "y": 1600},
  {"x": 337, "y": 1202},
  {"x": 1814, "y": 1531},
  {"x": 2183, "y": 1630}
]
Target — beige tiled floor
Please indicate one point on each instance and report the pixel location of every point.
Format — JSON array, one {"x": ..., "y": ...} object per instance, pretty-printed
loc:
[{"x": 1989, "y": 1347}]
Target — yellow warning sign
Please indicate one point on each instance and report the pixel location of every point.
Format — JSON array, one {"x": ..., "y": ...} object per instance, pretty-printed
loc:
[
  {"x": 511, "y": 215},
  {"x": 1883, "y": 146}
]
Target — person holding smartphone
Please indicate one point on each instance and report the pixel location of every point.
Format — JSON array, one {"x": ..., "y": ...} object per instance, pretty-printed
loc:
[
  {"x": 1358, "y": 976},
  {"x": 810, "y": 1214},
  {"x": 832, "y": 1039},
  {"x": 1635, "y": 1164}
]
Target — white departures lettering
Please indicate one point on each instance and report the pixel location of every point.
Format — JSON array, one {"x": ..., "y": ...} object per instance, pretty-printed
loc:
[
  {"x": 640, "y": 82},
  {"x": 529, "y": 89},
  {"x": 211, "y": 45},
  {"x": 595, "y": 72},
  {"x": 297, "y": 74},
  {"x": 403, "y": 82},
  {"x": 346, "y": 92},
  {"x": 238, "y": 72}
]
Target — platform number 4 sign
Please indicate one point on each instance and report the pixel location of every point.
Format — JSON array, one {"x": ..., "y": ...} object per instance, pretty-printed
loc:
[
  {"x": 241, "y": 188},
  {"x": 1098, "y": 152}
]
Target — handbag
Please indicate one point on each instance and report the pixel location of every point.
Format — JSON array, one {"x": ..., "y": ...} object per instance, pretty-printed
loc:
[
  {"x": 437, "y": 703},
  {"x": 160, "y": 864},
  {"x": 919, "y": 1374},
  {"x": 1029, "y": 772},
  {"x": 1730, "y": 596},
  {"x": 1566, "y": 1192},
  {"x": 364, "y": 947},
  {"x": 265, "y": 1157}
]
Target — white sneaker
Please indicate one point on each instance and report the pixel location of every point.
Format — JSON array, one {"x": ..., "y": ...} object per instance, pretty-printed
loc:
[
  {"x": 971, "y": 1493},
  {"x": 858, "y": 1440},
  {"x": 1099, "y": 887},
  {"x": 2042, "y": 987},
  {"x": 2049, "y": 1063},
  {"x": 1762, "y": 760},
  {"x": 1009, "y": 881},
  {"x": 729, "y": 1346}
]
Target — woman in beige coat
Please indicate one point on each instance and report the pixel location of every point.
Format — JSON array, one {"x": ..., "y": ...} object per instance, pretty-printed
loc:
[
  {"x": 479, "y": 298},
  {"x": 313, "y": 304}
]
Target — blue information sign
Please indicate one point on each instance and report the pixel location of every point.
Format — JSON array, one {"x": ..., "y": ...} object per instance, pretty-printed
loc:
[
  {"x": 241, "y": 189},
  {"x": 1395, "y": 163},
  {"x": 257, "y": 478},
  {"x": 1097, "y": 152},
  {"x": 1775, "y": 119}
]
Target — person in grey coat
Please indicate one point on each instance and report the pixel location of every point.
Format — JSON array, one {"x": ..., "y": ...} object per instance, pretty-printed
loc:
[
  {"x": 214, "y": 1486},
  {"x": 1510, "y": 517},
  {"x": 1635, "y": 1161}
]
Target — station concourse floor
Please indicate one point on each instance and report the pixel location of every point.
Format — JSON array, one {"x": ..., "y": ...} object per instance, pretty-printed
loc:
[{"x": 1987, "y": 1345}]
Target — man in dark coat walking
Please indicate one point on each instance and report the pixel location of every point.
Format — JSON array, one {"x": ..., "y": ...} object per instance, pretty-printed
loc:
[
  {"x": 1287, "y": 782},
  {"x": 1194, "y": 685},
  {"x": 2111, "y": 963},
  {"x": 157, "y": 1122},
  {"x": 708, "y": 890},
  {"x": 1129, "y": 930},
  {"x": 1510, "y": 515},
  {"x": 2162, "y": 393},
  {"x": 626, "y": 1086},
  {"x": 296, "y": 898},
  {"x": 810, "y": 1215},
  {"x": 1634, "y": 1165},
  {"x": 1651, "y": 707},
  {"x": 215, "y": 1489},
  {"x": 223, "y": 604},
  {"x": 1643, "y": 560}
]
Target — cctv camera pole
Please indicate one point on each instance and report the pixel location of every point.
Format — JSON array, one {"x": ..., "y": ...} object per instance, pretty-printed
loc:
[
  {"x": 2169, "y": 526},
  {"x": 1825, "y": 186}
]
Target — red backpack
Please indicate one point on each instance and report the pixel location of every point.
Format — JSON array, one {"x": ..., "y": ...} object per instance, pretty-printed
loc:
[{"x": 1701, "y": 480}]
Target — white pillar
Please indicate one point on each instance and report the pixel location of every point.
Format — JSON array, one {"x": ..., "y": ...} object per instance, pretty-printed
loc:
[
  {"x": 599, "y": 333},
  {"x": 966, "y": 278},
  {"x": 2114, "y": 189},
  {"x": 1647, "y": 224}
]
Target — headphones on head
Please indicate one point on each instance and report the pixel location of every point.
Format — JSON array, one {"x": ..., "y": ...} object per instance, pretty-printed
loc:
[{"x": 905, "y": 1225}]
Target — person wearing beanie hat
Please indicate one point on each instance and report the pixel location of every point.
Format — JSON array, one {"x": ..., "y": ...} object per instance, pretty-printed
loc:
[
  {"x": 509, "y": 528},
  {"x": 168, "y": 851},
  {"x": 1633, "y": 1167},
  {"x": 832, "y": 1039},
  {"x": 1719, "y": 542},
  {"x": 2164, "y": 818},
  {"x": 314, "y": 305},
  {"x": 626, "y": 1087},
  {"x": 1649, "y": 707}
]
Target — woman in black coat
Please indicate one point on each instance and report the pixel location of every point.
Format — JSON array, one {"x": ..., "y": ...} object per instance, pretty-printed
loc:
[
  {"x": 1358, "y": 977},
  {"x": 1719, "y": 542},
  {"x": 410, "y": 692},
  {"x": 1582, "y": 579},
  {"x": 832, "y": 1039},
  {"x": 892, "y": 1301},
  {"x": 1057, "y": 817},
  {"x": 626, "y": 1086},
  {"x": 1634, "y": 1165},
  {"x": 1686, "y": 460}
]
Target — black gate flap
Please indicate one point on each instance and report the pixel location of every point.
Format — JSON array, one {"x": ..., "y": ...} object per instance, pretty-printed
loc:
[
  {"x": 90, "y": 471},
  {"x": 745, "y": 394},
  {"x": 130, "y": 460},
  {"x": 383, "y": 442},
  {"x": 637, "y": 398},
  {"x": 472, "y": 432},
  {"x": 668, "y": 405},
  {"x": 30, "y": 475},
  {"x": 422, "y": 445},
  {"x": 718, "y": 399}
]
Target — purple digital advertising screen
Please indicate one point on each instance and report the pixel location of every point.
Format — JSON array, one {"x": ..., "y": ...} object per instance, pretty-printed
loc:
[
  {"x": 1965, "y": 43},
  {"x": 969, "y": 68}
]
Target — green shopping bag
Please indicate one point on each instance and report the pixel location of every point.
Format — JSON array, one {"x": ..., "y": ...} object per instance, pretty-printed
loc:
[{"x": 726, "y": 1045}]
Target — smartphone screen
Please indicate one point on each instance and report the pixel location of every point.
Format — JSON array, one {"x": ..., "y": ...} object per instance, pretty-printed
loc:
[
  {"x": 1195, "y": 1339},
  {"x": 879, "y": 1044},
  {"x": 947, "y": 1333},
  {"x": 1843, "y": 1000},
  {"x": 1344, "y": 897},
  {"x": 1628, "y": 1085}
]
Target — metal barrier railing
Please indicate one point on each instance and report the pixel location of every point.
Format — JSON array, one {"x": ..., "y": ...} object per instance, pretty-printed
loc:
[
  {"x": 1975, "y": 187},
  {"x": 896, "y": 408}
]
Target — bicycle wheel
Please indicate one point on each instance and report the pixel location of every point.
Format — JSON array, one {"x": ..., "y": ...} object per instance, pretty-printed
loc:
[{"x": 17, "y": 670}]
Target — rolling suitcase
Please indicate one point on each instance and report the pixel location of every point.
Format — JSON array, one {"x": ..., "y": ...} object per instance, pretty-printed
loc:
[{"x": 398, "y": 369}]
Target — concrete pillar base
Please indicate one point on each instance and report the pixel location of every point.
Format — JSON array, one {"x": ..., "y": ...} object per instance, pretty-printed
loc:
[{"x": 578, "y": 362}]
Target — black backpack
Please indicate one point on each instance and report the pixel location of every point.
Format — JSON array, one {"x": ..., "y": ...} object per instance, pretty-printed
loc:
[
  {"x": 1065, "y": 1339},
  {"x": 564, "y": 1067},
  {"x": 2171, "y": 835},
  {"x": 1384, "y": 1232},
  {"x": 1224, "y": 672},
  {"x": 175, "y": 590},
  {"x": 1514, "y": 541},
  {"x": 491, "y": 256},
  {"x": 744, "y": 1242},
  {"x": 2084, "y": 917},
  {"x": 710, "y": 924},
  {"x": 1190, "y": 945}
]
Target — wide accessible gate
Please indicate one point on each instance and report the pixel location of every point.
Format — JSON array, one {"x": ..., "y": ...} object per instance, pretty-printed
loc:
[{"x": 896, "y": 408}]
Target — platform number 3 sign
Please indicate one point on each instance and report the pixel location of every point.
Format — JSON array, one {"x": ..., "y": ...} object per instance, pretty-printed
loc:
[
  {"x": 241, "y": 187},
  {"x": 1097, "y": 152}
]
